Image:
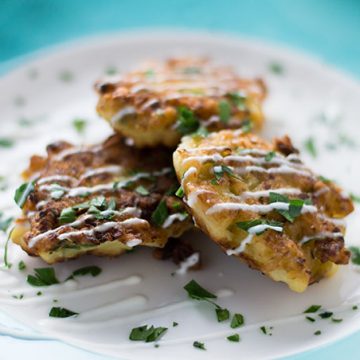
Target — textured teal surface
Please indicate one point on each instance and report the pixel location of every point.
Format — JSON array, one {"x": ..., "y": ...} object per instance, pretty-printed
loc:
[{"x": 329, "y": 29}]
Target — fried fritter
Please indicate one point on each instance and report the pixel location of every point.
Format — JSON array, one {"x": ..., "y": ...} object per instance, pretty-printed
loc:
[
  {"x": 160, "y": 102},
  {"x": 100, "y": 200},
  {"x": 261, "y": 204}
]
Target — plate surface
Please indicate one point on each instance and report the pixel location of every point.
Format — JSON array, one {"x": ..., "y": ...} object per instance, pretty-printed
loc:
[{"x": 307, "y": 99}]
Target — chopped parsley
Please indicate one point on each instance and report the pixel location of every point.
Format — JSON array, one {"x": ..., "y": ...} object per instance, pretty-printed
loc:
[
  {"x": 5, "y": 222},
  {"x": 175, "y": 324},
  {"x": 312, "y": 309},
  {"x": 60, "y": 312},
  {"x": 318, "y": 332},
  {"x": 355, "y": 255},
  {"x": 220, "y": 171},
  {"x": 355, "y": 198},
  {"x": 142, "y": 190},
  {"x": 111, "y": 70},
  {"x": 237, "y": 321},
  {"x": 22, "y": 193},
  {"x": 270, "y": 155},
  {"x": 324, "y": 179},
  {"x": 21, "y": 266},
  {"x": 87, "y": 270},
  {"x": 246, "y": 126},
  {"x": 39, "y": 293},
  {"x": 355, "y": 307},
  {"x": 180, "y": 192},
  {"x": 310, "y": 146},
  {"x": 160, "y": 214},
  {"x": 199, "y": 345},
  {"x": 334, "y": 320},
  {"x": 187, "y": 122},
  {"x": 147, "y": 334},
  {"x": 326, "y": 314},
  {"x": 276, "y": 68},
  {"x": 18, "y": 297},
  {"x": 68, "y": 215},
  {"x": 222, "y": 314},
  {"x": 201, "y": 131},
  {"x": 224, "y": 111},
  {"x": 43, "y": 277},
  {"x": 234, "y": 338},
  {"x": 195, "y": 291},
  {"x": 295, "y": 205},
  {"x": 238, "y": 100},
  {"x": 311, "y": 319},
  {"x": 79, "y": 125},
  {"x": 263, "y": 330},
  {"x": 6, "y": 142},
  {"x": 246, "y": 225}
]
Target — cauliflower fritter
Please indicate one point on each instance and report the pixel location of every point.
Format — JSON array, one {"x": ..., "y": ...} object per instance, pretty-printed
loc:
[
  {"x": 160, "y": 102},
  {"x": 100, "y": 200},
  {"x": 261, "y": 204}
]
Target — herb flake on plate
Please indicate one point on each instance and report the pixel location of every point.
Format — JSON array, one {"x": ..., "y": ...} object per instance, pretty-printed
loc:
[
  {"x": 147, "y": 333},
  {"x": 187, "y": 122},
  {"x": 87, "y": 270},
  {"x": 234, "y": 338},
  {"x": 160, "y": 214},
  {"x": 312, "y": 309},
  {"x": 43, "y": 277},
  {"x": 22, "y": 193},
  {"x": 60, "y": 312},
  {"x": 199, "y": 345}
]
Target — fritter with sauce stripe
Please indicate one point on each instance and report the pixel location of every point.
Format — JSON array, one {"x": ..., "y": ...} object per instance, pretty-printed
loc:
[
  {"x": 260, "y": 203},
  {"x": 160, "y": 102},
  {"x": 100, "y": 200}
]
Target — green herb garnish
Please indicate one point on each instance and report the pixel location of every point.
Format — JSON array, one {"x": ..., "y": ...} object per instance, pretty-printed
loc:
[
  {"x": 60, "y": 312},
  {"x": 187, "y": 122},
  {"x": 355, "y": 198},
  {"x": 142, "y": 190},
  {"x": 199, "y": 345},
  {"x": 276, "y": 68},
  {"x": 220, "y": 171},
  {"x": 336, "y": 320},
  {"x": 355, "y": 307},
  {"x": 246, "y": 225},
  {"x": 270, "y": 155},
  {"x": 43, "y": 277},
  {"x": 312, "y": 309},
  {"x": 246, "y": 126},
  {"x": 39, "y": 293},
  {"x": 87, "y": 270},
  {"x": 311, "y": 319},
  {"x": 318, "y": 332},
  {"x": 147, "y": 334},
  {"x": 326, "y": 314},
  {"x": 180, "y": 192},
  {"x": 22, "y": 193},
  {"x": 6, "y": 142},
  {"x": 195, "y": 291},
  {"x": 160, "y": 214},
  {"x": 310, "y": 146},
  {"x": 79, "y": 125},
  {"x": 224, "y": 111},
  {"x": 175, "y": 324},
  {"x": 21, "y": 266},
  {"x": 237, "y": 321},
  {"x": 222, "y": 314},
  {"x": 238, "y": 99},
  {"x": 234, "y": 338},
  {"x": 68, "y": 215},
  {"x": 263, "y": 330},
  {"x": 355, "y": 255},
  {"x": 66, "y": 76}
]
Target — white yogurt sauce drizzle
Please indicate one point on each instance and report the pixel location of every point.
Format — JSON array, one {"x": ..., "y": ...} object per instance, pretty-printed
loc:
[
  {"x": 188, "y": 263},
  {"x": 172, "y": 218}
]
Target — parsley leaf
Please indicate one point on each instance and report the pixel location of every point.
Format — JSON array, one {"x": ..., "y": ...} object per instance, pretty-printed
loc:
[
  {"x": 21, "y": 266},
  {"x": 234, "y": 338},
  {"x": 68, "y": 215},
  {"x": 311, "y": 319},
  {"x": 276, "y": 68},
  {"x": 6, "y": 142},
  {"x": 187, "y": 122},
  {"x": 355, "y": 255},
  {"x": 160, "y": 213},
  {"x": 87, "y": 270},
  {"x": 237, "y": 321},
  {"x": 222, "y": 314},
  {"x": 336, "y": 320},
  {"x": 355, "y": 198},
  {"x": 180, "y": 192},
  {"x": 43, "y": 277},
  {"x": 142, "y": 190},
  {"x": 60, "y": 312},
  {"x": 318, "y": 332},
  {"x": 199, "y": 345},
  {"x": 246, "y": 126},
  {"x": 22, "y": 193},
  {"x": 326, "y": 314},
  {"x": 310, "y": 146},
  {"x": 246, "y": 225},
  {"x": 219, "y": 172},
  {"x": 195, "y": 291},
  {"x": 224, "y": 111},
  {"x": 270, "y": 155},
  {"x": 147, "y": 334},
  {"x": 79, "y": 125},
  {"x": 238, "y": 100},
  {"x": 312, "y": 309}
]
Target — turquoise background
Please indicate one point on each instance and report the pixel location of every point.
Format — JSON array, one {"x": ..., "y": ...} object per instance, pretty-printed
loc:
[{"x": 329, "y": 29}]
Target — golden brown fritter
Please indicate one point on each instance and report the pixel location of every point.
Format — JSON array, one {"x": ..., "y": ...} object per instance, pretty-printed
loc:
[
  {"x": 160, "y": 102},
  {"x": 101, "y": 200},
  {"x": 260, "y": 203}
]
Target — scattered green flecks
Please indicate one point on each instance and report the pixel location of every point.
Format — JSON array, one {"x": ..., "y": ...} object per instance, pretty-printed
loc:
[
  {"x": 224, "y": 111},
  {"x": 66, "y": 76},
  {"x": 234, "y": 338},
  {"x": 147, "y": 333},
  {"x": 222, "y": 314},
  {"x": 39, "y": 293},
  {"x": 174, "y": 324},
  {"x": 21, "y": 266},
  {"x": 355, "y": 307},
  {"x": 266, "y": 330},
  {"x": 111, "y": 70},
  {"x": 43, "y": 277},
  {"x": 180, "y": 192},
  {"x": 326, "y": 315},
  {"x": 60, "y": 312},
  {"x": 270, "y": 155},
  {"x": 276, "y": 68},
  {"x": 355, "y": 255},
  {"x": 355, "y": 198},
  {"x": 312, "y": 309},
  {"x": 142, "y": 190},
  {"x": 160, "y": 214},
  {"x": 317, "y": 332},
  {"x": 311, "y": 319},
  {"x": 6, "y": 142},
  {"x": 79, "y": 125},
  {"x": 92, "y": 270},
  {"x": 199, "y": 345},
  {"x": 187, "y": 122},
  {"x": 18, "y": 297},
  {"x": 237, "y": 321},
  {"x": 334, "y": 320},
  {"x": 310, "y": 147},
  {"x": 247, "y": 126}
]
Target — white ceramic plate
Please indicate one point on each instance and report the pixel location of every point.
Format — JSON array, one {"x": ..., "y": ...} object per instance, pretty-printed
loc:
[{"x": 309, "y": 99}]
